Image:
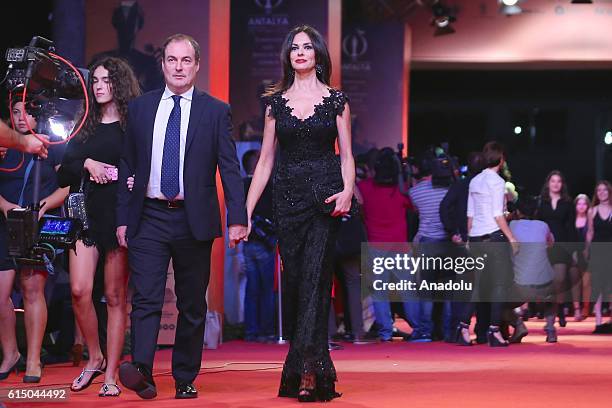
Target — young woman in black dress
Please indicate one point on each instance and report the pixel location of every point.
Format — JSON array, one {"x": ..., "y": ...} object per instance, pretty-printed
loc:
[
  {"x": 581, "y": 276},
  {"x": 305, "y": 117},
  {"x": 557, "y": 210},
  {"x": 93, "y": 156},
  {"x": 598, "y": 249}
]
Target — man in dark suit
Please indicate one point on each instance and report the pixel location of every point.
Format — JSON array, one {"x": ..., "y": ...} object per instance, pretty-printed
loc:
[{"x": 175, "y": 139}]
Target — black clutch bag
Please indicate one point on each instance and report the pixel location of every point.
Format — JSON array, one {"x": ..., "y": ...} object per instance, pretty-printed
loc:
[{"x": 320, "y": 192}]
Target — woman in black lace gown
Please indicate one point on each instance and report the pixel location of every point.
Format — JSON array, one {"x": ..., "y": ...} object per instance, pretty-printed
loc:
[{"x": 305, "y": 117}]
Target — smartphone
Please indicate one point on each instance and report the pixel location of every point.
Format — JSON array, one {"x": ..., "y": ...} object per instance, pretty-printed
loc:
[{"x": 112, "y": 174}]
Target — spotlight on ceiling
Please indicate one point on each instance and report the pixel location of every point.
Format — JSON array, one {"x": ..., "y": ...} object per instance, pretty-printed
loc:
[
  {"x": 442, "y": 19},
  {"x": 509, "y": 7}
]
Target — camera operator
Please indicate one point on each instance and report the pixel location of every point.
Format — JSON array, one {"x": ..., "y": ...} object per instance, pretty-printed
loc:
[
  {"x": 27, "y": 143},
  {"x": 384, "y": 211},
  {"x": 259, "y": 256},
  {"x": 16, "y": 191}
]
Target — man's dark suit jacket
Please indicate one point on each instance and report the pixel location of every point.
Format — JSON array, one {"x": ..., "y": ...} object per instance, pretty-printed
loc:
[{"x": 208, "y": 145}]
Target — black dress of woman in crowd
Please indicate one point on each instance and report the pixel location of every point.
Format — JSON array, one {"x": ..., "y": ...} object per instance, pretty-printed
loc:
[
  {"x": 557, "y": 210},
  {"x": 599, "y": 250},
  {"x": 306, "y": 117}
]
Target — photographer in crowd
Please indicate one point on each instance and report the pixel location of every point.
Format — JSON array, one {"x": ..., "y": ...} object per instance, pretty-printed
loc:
[
  {"x": 384, "y": 210},
  {"x": 436, "y": 171},
  {"x": 533, "y": 273}
]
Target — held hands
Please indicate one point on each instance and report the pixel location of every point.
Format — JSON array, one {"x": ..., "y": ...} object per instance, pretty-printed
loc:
[
  {"x": 97, "y": 170},
  {"x": 343, "y": 202},
  {"x": 236, "y": 234}
]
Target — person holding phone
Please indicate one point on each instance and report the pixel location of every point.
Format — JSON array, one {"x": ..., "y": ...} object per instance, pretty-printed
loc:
[{"x": 91, "y": 160}]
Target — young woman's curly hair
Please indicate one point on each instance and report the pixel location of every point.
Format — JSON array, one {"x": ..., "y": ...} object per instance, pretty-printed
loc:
[{"x": 124, "y": 87}]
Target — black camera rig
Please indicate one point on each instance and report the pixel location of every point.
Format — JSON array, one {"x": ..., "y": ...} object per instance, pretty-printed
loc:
[{"x": 57, "y": 92}]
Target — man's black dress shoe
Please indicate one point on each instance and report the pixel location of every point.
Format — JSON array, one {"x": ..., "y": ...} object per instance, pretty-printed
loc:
[
  {"x": 186, "y": 391},
  {"x": 138, "y": 378}
]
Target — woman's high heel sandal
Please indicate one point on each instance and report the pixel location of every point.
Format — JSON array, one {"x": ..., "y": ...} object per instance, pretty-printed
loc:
[
  {"x": 18, "y": 366},
  {"x": 33, "y": 379},
  {"x": 493, "y": 340},
  {"x": 460, "y": 339},
  {"x": 307, "y": 388}
]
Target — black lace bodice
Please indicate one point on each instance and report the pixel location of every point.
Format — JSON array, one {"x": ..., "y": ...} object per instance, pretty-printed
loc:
[
  {"x": 312, "y": 137},
  {"x": 306, "y": 156}
]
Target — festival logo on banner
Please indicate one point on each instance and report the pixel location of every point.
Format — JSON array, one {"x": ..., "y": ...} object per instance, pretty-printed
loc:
[
  {"x": 355, "y": 46},
  {"x": 356, "y": 70},
  {"x": 267, "y": 24},
  {"x": 268, "y": 5},
  {"x": 372, "y": 75}
]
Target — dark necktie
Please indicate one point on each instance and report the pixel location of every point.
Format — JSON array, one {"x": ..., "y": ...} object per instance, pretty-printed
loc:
[{"x": 172, "y": 151}]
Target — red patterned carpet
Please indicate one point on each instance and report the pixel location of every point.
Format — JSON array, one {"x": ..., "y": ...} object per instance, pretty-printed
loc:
[{"x": 576, "y": 372}]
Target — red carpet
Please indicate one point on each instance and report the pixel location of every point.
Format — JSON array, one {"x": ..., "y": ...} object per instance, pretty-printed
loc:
[{"x": 576, "y": 372}]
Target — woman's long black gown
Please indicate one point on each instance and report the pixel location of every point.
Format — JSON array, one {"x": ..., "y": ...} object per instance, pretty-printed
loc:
[{"x": 306, "y": 238}]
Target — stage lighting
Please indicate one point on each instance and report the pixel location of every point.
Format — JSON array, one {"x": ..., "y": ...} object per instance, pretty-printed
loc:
[
  {"x": 518, "y": 130},
  {"x": 509, "y": 7},
  {"x": 442, "y": 19},
  {"x": 608, "y": 138}
]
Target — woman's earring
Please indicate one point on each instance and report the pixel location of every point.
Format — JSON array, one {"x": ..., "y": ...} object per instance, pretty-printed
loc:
[{"x": 319, "y": 69}]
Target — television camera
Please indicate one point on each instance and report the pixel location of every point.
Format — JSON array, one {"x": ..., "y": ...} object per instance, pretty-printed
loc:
[{"x": 56, "y": 92}]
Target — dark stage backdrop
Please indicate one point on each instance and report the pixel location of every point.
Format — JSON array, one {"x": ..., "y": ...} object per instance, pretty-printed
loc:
[
  {"x": 258, "y": 28},
  {"x": 563, "y": 117}
]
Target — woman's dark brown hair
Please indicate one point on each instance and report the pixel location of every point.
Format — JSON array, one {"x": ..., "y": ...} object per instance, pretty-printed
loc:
[
  {"x": 608, "y": 186},
  {"x": 545, "y": 194},
  {"x": 123, "y": 85},
  {"x": 322, "y": 59}
]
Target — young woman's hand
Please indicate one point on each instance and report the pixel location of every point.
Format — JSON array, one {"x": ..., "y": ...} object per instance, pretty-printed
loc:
[{"x": 97, "y": 170}]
